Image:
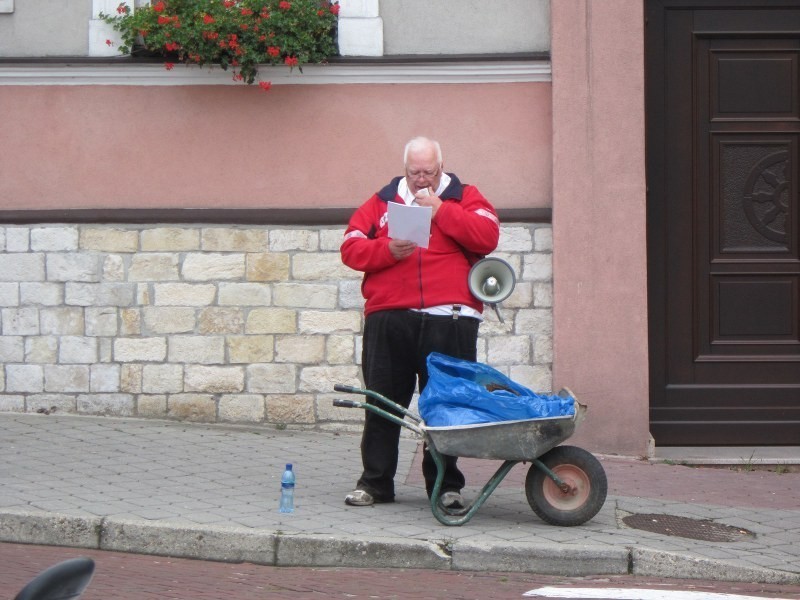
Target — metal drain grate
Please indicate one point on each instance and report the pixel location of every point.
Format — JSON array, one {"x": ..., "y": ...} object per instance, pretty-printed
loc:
[{"x": 695, "y": 529}]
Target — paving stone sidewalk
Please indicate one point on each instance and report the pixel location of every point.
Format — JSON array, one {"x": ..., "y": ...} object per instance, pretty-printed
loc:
[{"x": 211, "y": 492}]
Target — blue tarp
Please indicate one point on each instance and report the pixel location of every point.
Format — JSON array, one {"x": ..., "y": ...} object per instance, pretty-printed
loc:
[{"x": 461, "y": 392}]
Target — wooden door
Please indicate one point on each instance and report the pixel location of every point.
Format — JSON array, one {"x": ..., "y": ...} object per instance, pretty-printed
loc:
[{"x": 723, "y": 127}]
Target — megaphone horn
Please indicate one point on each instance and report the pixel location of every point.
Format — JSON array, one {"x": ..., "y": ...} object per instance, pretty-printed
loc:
[{"x": 491, "y": 280}]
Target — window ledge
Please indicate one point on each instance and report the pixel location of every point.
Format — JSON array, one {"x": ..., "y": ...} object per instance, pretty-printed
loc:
[{"x": 125, "y": 71}]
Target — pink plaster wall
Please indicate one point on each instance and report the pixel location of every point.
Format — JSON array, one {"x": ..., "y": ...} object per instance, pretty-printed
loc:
[
  {"x": 241, "y": 147},
  {"x": 600, "y": 293}
]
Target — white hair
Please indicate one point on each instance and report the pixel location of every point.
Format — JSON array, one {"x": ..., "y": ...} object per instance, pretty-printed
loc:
[{"x": 422, "y": 143}]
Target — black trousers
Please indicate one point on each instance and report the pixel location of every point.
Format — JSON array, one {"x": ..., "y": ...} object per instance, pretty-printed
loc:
[{"x": 395, "y": 346}]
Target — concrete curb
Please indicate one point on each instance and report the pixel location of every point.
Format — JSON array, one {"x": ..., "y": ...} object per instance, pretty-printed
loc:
[{"x": 241, "y": 544}]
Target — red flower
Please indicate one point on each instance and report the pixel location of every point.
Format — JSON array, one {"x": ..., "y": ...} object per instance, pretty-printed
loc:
[
  {"x": 246, "y": 12},
  {"x": 264, "y": 14},
  {"x": 238, "y": 77},
  {"x": 109, "y": 43},
  {"x": 335, "y": 8},
  {"x": 265, "y": 85},
  {"x": 208, "y": 19},
  {"x": 291, "y": 61},
  {"x": 123, "y": 9},
  {"x": 284, "y": 5},
  {"x": 229, "y": 4},
  {"x": 171, "y": 46},
  {"x": 159, "y": 7},
  {"x": 164, "y": 20},
  {"x": 169, "y": 66},
  {"x": 273, "y": 51}
]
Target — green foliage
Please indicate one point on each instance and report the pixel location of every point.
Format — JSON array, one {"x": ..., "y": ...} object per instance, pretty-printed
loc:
[{"x": 241, "y": 34}]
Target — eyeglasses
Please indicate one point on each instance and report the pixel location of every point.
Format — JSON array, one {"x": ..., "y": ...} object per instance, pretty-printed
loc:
[{"x": 427, "y": 173}]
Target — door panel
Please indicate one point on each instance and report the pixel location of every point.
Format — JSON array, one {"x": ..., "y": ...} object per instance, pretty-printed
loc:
[{"x": 724, "y": 222}]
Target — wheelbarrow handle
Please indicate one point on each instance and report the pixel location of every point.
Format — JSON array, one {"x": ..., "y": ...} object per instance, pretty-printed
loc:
[
  {"x": 347, "y": 403},
  {"x": 347, "y": 389}
]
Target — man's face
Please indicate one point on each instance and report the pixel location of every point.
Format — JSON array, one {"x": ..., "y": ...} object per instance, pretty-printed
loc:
[{"x": 423, "y": 170}]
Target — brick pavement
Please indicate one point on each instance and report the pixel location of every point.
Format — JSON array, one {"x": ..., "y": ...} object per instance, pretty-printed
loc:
[{"x": 211, "y": 492}]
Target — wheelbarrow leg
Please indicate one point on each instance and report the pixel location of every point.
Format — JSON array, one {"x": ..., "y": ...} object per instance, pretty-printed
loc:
[{"x": 462, "y": 515}]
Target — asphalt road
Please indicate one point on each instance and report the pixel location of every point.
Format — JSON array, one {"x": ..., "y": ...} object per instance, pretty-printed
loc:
[{"x": 122, "y": 576}]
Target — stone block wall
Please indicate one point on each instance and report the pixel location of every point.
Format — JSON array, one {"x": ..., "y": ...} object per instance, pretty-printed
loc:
[{"x": 238, "y": 324}]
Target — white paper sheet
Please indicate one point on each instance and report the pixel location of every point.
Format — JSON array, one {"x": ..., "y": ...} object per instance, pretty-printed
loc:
[{"x": 411, "y": 223}]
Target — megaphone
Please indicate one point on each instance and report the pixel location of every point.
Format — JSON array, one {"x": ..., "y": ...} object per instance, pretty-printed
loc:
[{"x": 491, "y": 280}]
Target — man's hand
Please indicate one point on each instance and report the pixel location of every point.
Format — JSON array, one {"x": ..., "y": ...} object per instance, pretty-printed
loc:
[
  {"x": 428, "y": 199},
  {"x": 401, "y": 249}
]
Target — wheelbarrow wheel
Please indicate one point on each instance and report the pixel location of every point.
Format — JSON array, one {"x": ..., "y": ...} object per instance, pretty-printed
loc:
[{"x": 579, "y": 470}]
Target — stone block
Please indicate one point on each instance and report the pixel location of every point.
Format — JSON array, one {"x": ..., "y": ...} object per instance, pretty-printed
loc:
[
  {"x": 12, "y": 349},
  {"x": 41, "y": 349},
  {"x": 228, "y": 320},
  {"x": 66, "y": 378},
  {"x": 350, "y": 295},
  {"x": 290, "y": 408},
  {"x": 21, "y": 267},
  {"x": 267, "y": 267},
  {"x": 542, "y": 295},
  {"x": 61, "y": 321},
  {"x": 537, "y": 267},
  {"x": 10, "y": 294},
  {"x": 60, "y": 403},
  {"x": 542, "y": 349},
  {"x": 154, "y": 266},
  {"x": 521, "y": 297},
  {"x": 73, "y": 267},
  {"x": 54, "y": 239},
  {"x": 113, "y": 268},
  {"x": 282, "y": 240},
  {"x": 271, "y": 379},
  {"x": 241, "y": 408},
  {"x": 315, "y": 321},
  {"x": 271, "y": 320},
  {"x": 170, "y": 239},
  {"x": 169, "y": 319},
  {"x": 509, "y": 350},
  {"x": 162, "y": 379},
  {"x": 204, "y": 349},
  {"x": 515, "y": 239},
  {"x": 99, "y": 294},
  {"x": 147, "y": 349},
  {"x": 325, "y": 266},
  {"x": 130, "y": 321},
  {"x": 361, "y": 37},
  {"x": 108, "y": 405},
  {"x": 192, "y": 407},
  {"x": 109, "y": 239},
  {"x": 104, "y": 378},
  {"x": 245, "y": 294},
  {"x": 538, "y": 378},
  {"x": 543, "y": 239},
  {"x": 130, "y": 378},
  {"x": 327, "y": 412},
  {"x": 249, "y": 349},
  {"x": 330, "y": 240},
  {"x": 322, "y": 379},
  {"x": 228, "y": 239},
  {"x": 215, "y": 380},
  {"x": 20, "y": 321},
  {"x": 537, "y": 321},
  {"x": 18, "y": 239},
  {"x": 41, "y": 294},
  {"x": 302, "y": 349},
  {"x": 24, "y": 378},
  {"x": 184, "y": 294},
  {"x": 307, "y": 295},
  {"x": 9, "y": 403},
  {"x": 153, "y": 405},
  {"x": 213, "y": 267},
  {"x": 77, "y": 349},
  {"x": 340, "y": 349}
]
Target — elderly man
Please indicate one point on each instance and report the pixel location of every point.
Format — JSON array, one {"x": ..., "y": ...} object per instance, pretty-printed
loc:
[{"x": 417, "y": 302}]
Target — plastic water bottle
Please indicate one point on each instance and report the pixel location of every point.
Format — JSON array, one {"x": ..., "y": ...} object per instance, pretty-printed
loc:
[{"x": 287, "y": 490}]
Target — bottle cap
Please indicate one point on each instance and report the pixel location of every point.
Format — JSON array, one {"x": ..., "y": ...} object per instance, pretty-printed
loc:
[{"x": 288, "y": 466}]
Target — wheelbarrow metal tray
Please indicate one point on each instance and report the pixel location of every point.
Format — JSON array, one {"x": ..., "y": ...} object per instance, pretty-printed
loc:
[{"x": 505, "y": 440}]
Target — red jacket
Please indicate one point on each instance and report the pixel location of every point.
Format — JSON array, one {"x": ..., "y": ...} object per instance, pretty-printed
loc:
[{"x": 464, "y": 224}]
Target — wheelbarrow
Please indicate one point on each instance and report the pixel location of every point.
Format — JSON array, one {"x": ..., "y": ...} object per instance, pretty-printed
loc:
[{"x": 565, "y": 485}]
